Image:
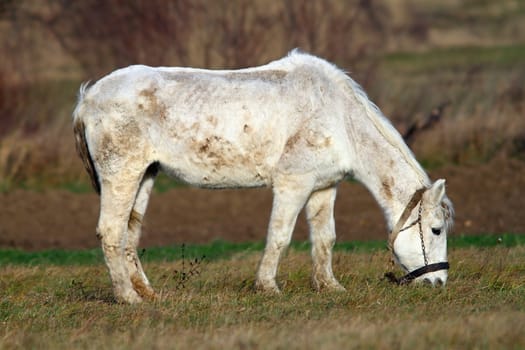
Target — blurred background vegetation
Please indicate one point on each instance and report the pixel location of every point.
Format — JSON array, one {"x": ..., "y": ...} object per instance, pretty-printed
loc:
[{"x": 461, "y": 62}]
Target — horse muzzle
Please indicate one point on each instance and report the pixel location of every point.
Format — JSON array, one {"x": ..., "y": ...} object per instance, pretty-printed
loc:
[{"x": 433, "y": 274}]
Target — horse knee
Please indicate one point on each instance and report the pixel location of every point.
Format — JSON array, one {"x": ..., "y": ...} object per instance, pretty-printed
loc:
[
  {"x": 324, "y": 240},
  {"x": 281, "y": 242},
  {"x": 110, "y": 237},
  {"x": 329, "y": 239}
]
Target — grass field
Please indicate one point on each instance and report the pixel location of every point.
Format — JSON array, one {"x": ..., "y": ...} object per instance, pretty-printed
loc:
[{"x": 67, "y": 302}]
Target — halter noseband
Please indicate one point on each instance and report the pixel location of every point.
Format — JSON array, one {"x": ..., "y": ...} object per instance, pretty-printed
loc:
[{"x": 417, "y": 198}]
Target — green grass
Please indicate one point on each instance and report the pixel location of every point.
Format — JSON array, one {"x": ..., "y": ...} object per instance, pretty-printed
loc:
[
  {"x": 224, "y": 250},
  {"x": 455, "y": 58},
  {"x": 164, "y": 183},
  {"x": 41, "y": 185},
  {"x": 482, "y": 306}
]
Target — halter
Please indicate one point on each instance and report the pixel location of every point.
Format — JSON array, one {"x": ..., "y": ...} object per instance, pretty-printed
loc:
[{"x": 417, "y": 198}]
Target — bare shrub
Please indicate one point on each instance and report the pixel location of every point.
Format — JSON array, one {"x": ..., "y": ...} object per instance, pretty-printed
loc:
[
  {"x": 102, "y": 35},
  {"x": 47, "y": 43}
]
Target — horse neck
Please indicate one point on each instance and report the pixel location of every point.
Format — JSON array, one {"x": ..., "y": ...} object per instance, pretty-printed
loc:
[{"x": 389, "y": 176}]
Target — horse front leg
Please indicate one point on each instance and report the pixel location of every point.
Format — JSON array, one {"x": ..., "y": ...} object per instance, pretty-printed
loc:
[
  {"x": 289, "y": 198},
  {"x": 320, "y": 216}
]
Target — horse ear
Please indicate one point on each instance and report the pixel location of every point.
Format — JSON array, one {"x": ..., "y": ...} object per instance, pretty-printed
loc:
[{"x": 437, "y": 191}]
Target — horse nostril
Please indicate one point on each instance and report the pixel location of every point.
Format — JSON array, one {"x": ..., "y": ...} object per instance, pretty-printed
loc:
[
  {"x": 427, "y": 281},
  {"x": 439, "y": 282}
]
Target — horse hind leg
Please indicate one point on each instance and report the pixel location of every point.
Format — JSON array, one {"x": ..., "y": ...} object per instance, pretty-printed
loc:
[
  {"x": 320, "y": 216},
  {"x": 139, "y": 280},
  {"x": 116, "y": 201}
]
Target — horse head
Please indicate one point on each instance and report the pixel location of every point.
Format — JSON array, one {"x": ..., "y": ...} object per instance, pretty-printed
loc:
[{"x": 419, "y": 239}]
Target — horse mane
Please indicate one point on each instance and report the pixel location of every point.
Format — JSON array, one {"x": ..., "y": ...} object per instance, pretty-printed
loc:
[
  {"x": 386, "y": 129},
  {"x": 372, "y": 112}
]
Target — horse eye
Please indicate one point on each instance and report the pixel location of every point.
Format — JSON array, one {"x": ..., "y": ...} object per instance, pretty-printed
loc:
[{"x": 436, "y": 231}]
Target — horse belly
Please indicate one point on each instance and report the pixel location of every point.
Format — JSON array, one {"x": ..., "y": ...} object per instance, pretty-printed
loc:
[{"x": 217, "y": 162}]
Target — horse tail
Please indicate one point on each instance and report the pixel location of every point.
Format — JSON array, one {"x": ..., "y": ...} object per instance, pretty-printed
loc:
[{"x": 79, "y": 129}]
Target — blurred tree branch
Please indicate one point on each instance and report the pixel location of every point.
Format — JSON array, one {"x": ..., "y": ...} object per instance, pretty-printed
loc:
[
  {"x": 350, "y": 34},
  {"x": 102, "y": 35}
]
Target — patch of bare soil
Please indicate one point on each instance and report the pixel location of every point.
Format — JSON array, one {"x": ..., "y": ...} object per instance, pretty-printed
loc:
[{"x": 488, "y": 198}]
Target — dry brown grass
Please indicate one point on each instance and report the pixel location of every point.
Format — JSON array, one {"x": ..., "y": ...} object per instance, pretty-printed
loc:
[
  {"x": 38, "y": 149},
  {"x": 481, "y": 307},
  {"x": 485, "y": 103}
]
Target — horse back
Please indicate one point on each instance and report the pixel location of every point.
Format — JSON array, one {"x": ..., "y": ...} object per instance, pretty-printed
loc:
[{"x": 225, "y": 128}]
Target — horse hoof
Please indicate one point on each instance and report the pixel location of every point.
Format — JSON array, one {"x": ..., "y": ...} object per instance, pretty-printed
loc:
[
  {"x": 332, "y": 286},
  {"x": 267, "y": 288},
  {"x": 129, "y": 298}
]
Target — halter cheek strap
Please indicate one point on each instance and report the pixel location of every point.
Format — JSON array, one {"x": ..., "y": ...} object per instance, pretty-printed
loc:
[
  {"x": 409, "y": 277},
  {"x": 416, "y": 198}
]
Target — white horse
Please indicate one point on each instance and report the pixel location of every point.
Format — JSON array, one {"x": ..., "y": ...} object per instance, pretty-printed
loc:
[{"x": 298, "y": 125}]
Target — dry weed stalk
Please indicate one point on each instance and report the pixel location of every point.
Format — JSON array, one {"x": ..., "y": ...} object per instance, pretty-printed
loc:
[{"x": 193, "y": 269}]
